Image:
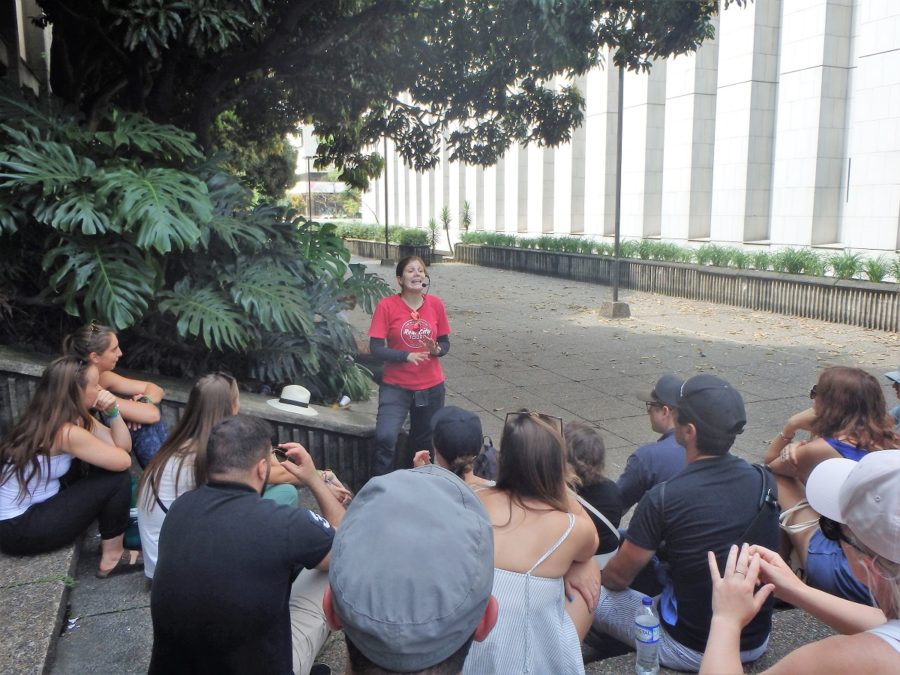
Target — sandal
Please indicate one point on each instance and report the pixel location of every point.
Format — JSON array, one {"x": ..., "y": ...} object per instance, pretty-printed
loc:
[
  {"x": 124, "y": 564},
  {"x": 793, "y": 528}
]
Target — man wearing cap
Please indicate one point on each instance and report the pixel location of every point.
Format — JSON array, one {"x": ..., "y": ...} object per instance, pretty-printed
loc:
[
  {"x": 656, "y": 462},
  {"x": 894, "y": 377},
  {"x": 228, "y": 595},
  {"x": 709, "y": 506},
  {"x": 411, "y": 574}
]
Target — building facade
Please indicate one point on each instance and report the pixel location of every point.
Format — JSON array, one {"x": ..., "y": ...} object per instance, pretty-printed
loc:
[{"x": 782, "y": 131}]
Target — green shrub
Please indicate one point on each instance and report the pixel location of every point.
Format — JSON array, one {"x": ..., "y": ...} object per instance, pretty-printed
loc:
[
  {"x": 798, "y": 261},
  {"x": 741, "y": 259},
  {"x": 604, "y": 248},
  {"x": 761, "y": 260},
  {"x": 587, "y": 246},
  {"x": 895, "y": 269},
  {"x": 876, "y": 269},
  {"x": 846, "y": 265},
  {"x": 629, "y": 248},
  {"x": 571, "y": 244},
  {"x": 412, "y": 237}
]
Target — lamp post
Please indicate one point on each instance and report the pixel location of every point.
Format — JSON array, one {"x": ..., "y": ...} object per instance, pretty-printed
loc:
[
  {"x": 309, "y": 204},
  {"x": 616, "y": 309}
]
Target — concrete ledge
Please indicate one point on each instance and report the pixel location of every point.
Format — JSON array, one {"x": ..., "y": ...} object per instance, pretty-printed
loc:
[{"x": 33, "y": 595}]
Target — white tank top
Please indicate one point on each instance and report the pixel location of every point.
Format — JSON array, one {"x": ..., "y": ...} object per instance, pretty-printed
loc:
[
  {"x": 889, "y": 632},
  {"x": 38, "y": 489}
]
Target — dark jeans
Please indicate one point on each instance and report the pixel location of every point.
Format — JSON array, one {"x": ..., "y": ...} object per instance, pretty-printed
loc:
[
  {"x": 393, "y": 405},
  {"x": 52, "y": 524}
]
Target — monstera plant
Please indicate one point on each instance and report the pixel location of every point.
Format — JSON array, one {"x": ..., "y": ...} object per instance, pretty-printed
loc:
[{"x": 130, "y": 224}]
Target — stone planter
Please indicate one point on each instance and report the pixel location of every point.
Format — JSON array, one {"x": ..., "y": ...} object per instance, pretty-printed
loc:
[
  {"x": 855, "y": 303},
  {"x": 336, "y": 439},
  {"x": 375, "y": 249}
]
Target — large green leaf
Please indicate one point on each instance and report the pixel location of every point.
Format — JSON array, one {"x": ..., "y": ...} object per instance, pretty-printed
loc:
[
  {"x": 75, "y": 210},
  {"x": 272, "y": 295},
  {"x": 237, "y": 233},
  {"x": 110, "y": 281},
  {"x": 206, "y": 312},
  {"x": 163, "y": 205},
  {"x": 130, "y": 130},
  {"x": 51, "y": 166}
]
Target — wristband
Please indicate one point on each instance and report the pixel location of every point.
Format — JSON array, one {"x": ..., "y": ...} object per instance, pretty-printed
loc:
[
  {"x": 786, "y": 439},
  {"x": 113, "y": 412},
  {"x": 146, "y": 399}
]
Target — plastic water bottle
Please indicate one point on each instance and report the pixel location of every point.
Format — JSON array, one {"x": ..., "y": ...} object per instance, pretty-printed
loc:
[{"x": 646, "y": 639}]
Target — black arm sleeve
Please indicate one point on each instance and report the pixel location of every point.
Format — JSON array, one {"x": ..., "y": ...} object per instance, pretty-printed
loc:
[
  {"x": 444, "y": 343},
  {"x": 380, "y": 351}
]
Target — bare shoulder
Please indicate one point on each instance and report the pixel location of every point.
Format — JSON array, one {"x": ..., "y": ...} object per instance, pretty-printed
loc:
[{"x": 839, "y": 654}]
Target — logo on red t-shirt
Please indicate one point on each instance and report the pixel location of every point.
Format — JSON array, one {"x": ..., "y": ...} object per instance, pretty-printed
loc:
[{"x": 412, "y": 332}]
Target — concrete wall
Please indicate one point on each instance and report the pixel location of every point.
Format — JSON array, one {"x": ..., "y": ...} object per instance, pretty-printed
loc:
[{"x": 783, "y": 131}]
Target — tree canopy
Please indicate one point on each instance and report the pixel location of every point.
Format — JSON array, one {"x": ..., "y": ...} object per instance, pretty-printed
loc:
[{"x": 480, "y": 75}]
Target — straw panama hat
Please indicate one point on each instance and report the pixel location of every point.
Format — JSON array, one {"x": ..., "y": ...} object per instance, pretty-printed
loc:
[{"x": 294, "y": 399}]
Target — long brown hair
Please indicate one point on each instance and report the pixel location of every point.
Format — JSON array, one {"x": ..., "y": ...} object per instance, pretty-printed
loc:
[
  {"x": 212, "y": 399},
  {"x": 57, "y": 401},
  {"x": 850, "y": 403},
  {"x": 93, "y": 337},
  {"x": 533, "y": 462}
]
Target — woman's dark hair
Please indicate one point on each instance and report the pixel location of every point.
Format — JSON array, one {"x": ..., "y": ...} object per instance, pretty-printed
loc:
[
  {"x": 587, "y": 452},
  {"x": 408, "y": 259},
  {"x": 93, "y": 337},
  {"x": 533, "y": 462},
  {"x": 849, "y": 402},
  {"x": 57, "y": 401},
  {"x": 212, "y": 399}
]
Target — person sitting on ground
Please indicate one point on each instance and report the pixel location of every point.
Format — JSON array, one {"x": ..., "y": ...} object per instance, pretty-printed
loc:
[
  {"x": 894, "y": 377},
  {"x": 180, "y": 465},
  {"x": 137, "y": 400},
  {"x": 458, "y": 439},
  {"x": 654, "y": 463},
  {"x": 860, "y": 507},
  {"x": 411, "y": 586},
  {"x": 587, "y": 456},
  {"x": 228, "y": 593},
  {"x": 42, "y": 506},
  {"x": 540, "y": 530},
  {"x": 849, "y": 419},
  {"x": 713, "y": 503}
]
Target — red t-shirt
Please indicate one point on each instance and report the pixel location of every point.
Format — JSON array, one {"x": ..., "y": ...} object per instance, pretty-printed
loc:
[{"x": 403, "y": 328}]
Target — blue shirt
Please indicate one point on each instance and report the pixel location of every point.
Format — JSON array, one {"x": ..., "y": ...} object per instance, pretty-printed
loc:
[{"x": 649, "y": 465}]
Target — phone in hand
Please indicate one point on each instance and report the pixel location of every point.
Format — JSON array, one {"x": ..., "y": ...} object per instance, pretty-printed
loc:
[{"x": 282, "y": 456}]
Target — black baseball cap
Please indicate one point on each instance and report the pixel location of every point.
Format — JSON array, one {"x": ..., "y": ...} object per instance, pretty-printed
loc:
[
  {"x": 712, "y": 405},
  {"x": 456, "y": 432},
  {"x": 665, "y": 391}
]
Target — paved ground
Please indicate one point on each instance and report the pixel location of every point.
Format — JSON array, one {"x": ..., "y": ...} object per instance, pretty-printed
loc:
[{"x": 536, "y": 342}]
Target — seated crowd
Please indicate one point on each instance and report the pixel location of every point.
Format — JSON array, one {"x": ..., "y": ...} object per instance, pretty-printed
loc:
[{"x": 438, "y": 570}]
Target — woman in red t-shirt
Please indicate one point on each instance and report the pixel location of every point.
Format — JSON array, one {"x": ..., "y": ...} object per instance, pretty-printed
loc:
[{"x": 409, "y": 332}]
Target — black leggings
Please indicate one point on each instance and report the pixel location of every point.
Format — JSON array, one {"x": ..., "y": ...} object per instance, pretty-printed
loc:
[{"x": 56, "y": 522}]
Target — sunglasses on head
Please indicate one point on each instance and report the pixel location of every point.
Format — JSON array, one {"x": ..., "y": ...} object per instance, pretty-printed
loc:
[
  {"x": 554, "y": 421},
  {"x": 814, "y": 390}
]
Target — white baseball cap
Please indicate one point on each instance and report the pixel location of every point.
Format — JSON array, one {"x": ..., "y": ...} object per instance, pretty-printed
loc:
[{"x": 864, "y": 496}]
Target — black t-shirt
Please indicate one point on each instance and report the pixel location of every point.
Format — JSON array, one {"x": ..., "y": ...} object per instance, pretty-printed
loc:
[
  {"x": 227, "y": 559},
  {"x": 604, "y": 496},
  {"x": 706, "y": 507}
]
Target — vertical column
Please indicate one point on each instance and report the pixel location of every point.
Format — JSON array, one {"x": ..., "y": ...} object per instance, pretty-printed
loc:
[
  {"x": 871, "y": 200},
  {"x": 600, "y": 128},
  {"x": 576, "y": 192},
  {"x": 745, "y": 121},
  {"x": 498, "y": 223},
  {"x": 520, "y": 193},
  {"x": 810, "y": 134},
  {"x": 689, "y": 144},
  {"x": 478, "y": 209},
  {"x": 642, "y": 154}
]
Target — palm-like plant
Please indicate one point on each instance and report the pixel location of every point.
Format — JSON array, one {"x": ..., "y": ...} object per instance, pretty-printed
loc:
[{"x": 131, "y": 226}]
